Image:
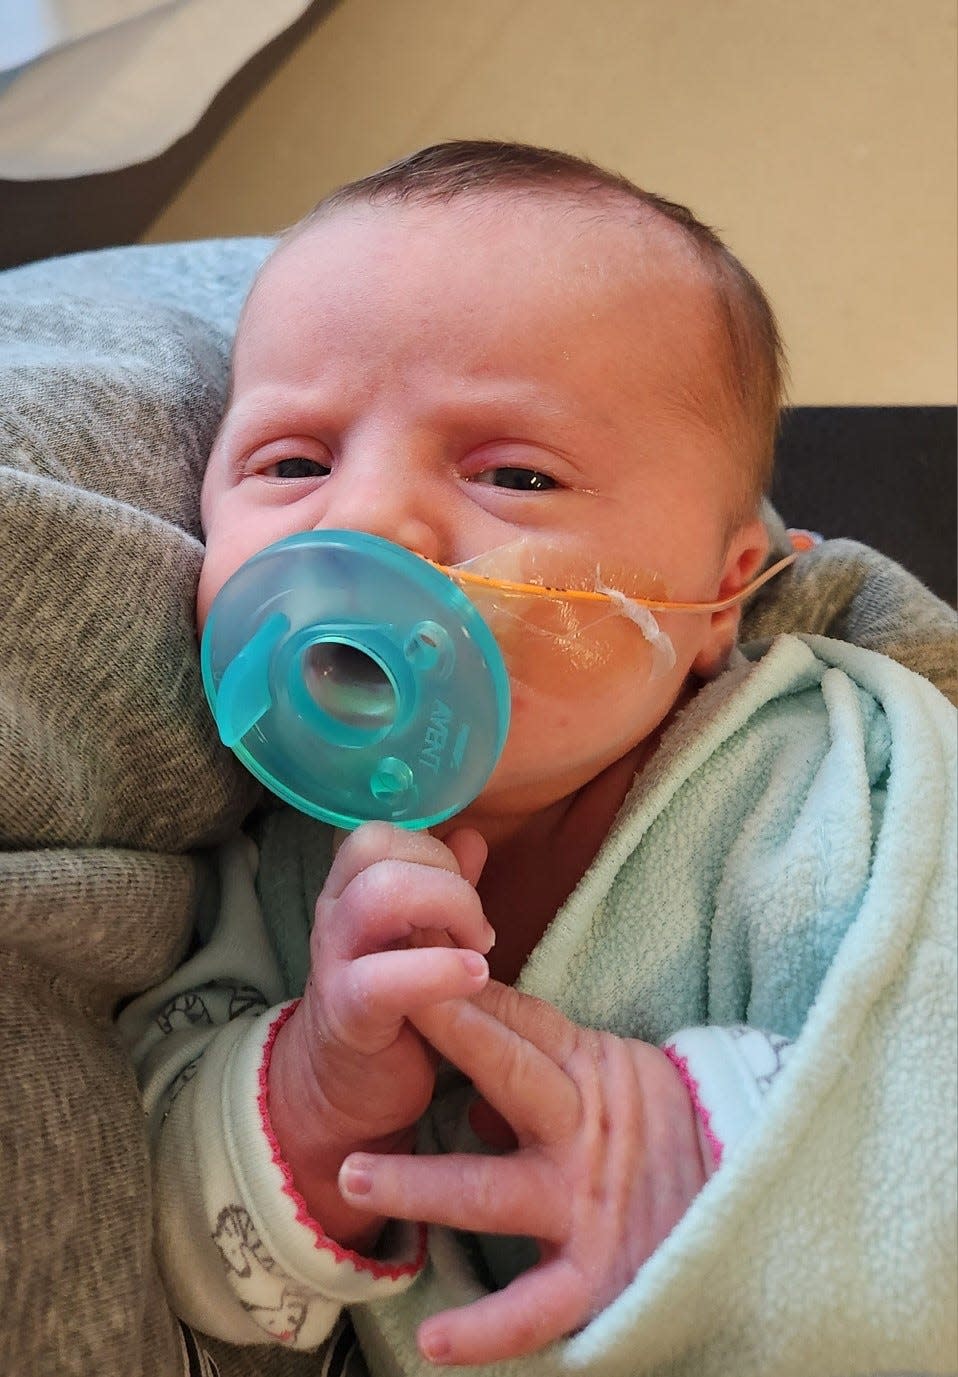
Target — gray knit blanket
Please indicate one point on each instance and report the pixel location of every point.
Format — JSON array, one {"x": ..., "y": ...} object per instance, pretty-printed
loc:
[{"x": 113, "y": 786}]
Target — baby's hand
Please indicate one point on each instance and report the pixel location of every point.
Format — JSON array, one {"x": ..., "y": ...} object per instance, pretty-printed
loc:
[
  {"x": 608, "y": 1160},
  {"x": 398, "y": 926}
]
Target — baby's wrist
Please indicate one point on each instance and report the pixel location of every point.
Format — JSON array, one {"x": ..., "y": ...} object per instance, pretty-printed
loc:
[
  {"x": 313, "y": 1138},
  {"x": 303, "y": 1117}
]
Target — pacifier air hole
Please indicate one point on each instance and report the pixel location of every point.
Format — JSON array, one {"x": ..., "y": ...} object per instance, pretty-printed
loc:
[
  {"x": 429, "y": 649},
  {"x": 349, "y": 685}
]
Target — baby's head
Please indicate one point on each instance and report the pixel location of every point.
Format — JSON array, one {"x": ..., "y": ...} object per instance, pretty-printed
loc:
[
  {"x": 735, "y": 383},
  {"x": 489, "y": 346}
]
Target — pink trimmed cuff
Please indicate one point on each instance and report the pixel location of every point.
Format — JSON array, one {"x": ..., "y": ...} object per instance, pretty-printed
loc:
[
  {"x": 371, "y": 1266},
  {"x": 681, "y": 1065}
]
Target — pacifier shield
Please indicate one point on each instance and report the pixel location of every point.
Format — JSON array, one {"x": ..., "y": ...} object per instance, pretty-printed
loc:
[{"x": 356, "y": 680}]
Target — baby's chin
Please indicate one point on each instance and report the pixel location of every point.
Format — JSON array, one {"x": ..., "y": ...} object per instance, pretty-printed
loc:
[{"x": 528, "y": 781}]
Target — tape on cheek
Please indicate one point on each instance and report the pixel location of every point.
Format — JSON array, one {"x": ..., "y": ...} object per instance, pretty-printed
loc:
[
  {"x": 663, "y": 651},
  {"x": 551, "y": 616}
]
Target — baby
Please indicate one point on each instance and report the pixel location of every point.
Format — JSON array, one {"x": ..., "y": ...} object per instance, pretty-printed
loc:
[{"x": 484, "y": 347}]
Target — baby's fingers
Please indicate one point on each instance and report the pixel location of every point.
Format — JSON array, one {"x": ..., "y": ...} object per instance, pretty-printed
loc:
[
  {"x": 394, "y": 901},
  {"x": 382, "y": 841},
  {"x": 378, "y": 991},
  {"x": 528, "y": 1088},
  {"x": 517, "y": 1194},
  {"x": 540, "y": 1306}
]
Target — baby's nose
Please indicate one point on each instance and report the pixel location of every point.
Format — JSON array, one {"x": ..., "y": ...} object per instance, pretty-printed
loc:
[{"x": 399, "y": 515}]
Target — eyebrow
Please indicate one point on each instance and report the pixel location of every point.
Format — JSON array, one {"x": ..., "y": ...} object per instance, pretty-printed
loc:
[{"x": 511, "y": 403}]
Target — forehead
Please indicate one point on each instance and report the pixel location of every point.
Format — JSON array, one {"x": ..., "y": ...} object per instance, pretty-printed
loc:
[
  {"x": 584, "y": 232},
  {"x": 570, "y": 299},
  {"x": 506, "y": 257},
  {"x": 492, "y": 311}
]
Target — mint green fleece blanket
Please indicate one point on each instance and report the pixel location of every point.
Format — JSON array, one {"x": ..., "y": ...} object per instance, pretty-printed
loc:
[{"x": 787, "y": 861}]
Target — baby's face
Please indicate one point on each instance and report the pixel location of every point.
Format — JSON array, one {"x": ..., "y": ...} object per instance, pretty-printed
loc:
[{"x": 459, "y": 377}]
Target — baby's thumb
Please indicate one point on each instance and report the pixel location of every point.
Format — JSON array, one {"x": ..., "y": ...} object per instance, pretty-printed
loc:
[{"x": 470, "y": 850}]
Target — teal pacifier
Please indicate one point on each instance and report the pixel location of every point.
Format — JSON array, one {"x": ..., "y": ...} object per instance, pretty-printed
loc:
[{"x": 356, "y": 680}]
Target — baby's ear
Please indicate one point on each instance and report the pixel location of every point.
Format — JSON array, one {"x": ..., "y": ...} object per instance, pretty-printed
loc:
[{"x": 746, "y": 554}]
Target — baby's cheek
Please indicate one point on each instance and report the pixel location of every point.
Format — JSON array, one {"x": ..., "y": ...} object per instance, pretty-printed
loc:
[
  {"x": 206, "y": 591},
  {"x": 224, "y": 555},
  {"x": 572, "y": 662},
  {"x": 578, "y": 724}
]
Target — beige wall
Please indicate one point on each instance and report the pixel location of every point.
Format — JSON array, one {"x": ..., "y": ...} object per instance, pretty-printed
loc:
[{"x": 817, "y": 135}]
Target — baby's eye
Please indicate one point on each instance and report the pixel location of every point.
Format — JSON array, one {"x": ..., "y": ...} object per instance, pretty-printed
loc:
[
  {"x": 297, "y": 466},
  {"x": 520, "y": 480}
]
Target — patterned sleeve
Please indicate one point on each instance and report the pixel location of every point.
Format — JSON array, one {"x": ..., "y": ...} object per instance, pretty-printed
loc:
[{"x": 241, "y": 1256}]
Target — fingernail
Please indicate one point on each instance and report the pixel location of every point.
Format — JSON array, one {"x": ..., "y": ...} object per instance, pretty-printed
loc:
[
  {"x": 355, "y": 1176},
  {"x": 474, "y": 963},
  {"x": 434, "y": 1348}
]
